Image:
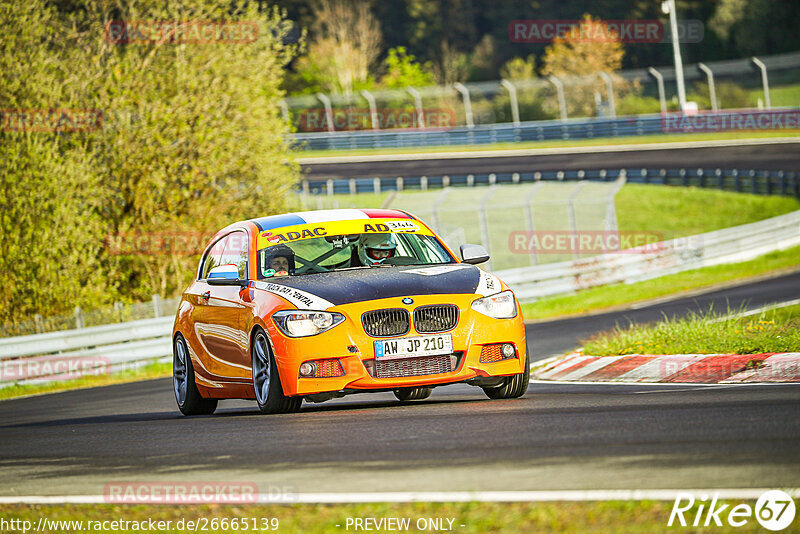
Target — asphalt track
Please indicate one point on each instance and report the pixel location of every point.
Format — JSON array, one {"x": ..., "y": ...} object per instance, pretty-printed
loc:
[
  {"x": 779, "y": 156},
  {"x": 558, "y": 436}
]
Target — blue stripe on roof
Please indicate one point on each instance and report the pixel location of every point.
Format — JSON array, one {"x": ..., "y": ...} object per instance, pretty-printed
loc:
[{"x": 278, "y": 221}]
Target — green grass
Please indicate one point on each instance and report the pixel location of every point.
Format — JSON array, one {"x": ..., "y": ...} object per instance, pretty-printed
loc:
[
  {"x": 615, "y": 295},
  {"x": 683, "y": 211},
  {"x": 633, "y": 140},
  {"x": 710, "y": 332},
  {"x": 782, "y": 96},
  {"x": 153, "y": 370},
  {"x": 607, "y": 516}
]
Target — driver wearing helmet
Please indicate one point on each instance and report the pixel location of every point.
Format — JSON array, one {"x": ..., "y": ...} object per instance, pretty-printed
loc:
[{"x": 373, "y": 249}]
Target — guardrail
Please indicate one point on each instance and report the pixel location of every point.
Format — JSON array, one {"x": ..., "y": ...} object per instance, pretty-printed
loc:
[
  {"x": 84, "y": 351},
  {"x": 740, "y": 243},
  {"x": 550, "y": 130},
  {"x": 103, "y": 349},
  {"x": 755, "y": 181}
]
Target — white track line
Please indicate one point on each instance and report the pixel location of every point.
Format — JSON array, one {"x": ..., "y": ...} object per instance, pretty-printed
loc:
[
  {"x": 444, "y": 496},
  {"x": 547, "y": 151}
]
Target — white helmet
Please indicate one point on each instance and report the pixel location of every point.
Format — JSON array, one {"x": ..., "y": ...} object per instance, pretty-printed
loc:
[{"x": 372, "y": 248}]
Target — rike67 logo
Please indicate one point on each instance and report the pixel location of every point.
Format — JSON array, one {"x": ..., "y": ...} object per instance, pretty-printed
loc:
[{"x": 774, "y": 510}]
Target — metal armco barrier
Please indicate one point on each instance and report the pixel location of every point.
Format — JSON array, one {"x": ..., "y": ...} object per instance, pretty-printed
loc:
[
  {"x": 740, "y": 243},
  {"x": 510, "y": 133},
  {"x": 84, "y": 351}
]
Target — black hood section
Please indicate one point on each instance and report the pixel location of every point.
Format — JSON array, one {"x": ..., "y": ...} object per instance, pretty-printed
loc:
[{"x": 358, "y": 285}]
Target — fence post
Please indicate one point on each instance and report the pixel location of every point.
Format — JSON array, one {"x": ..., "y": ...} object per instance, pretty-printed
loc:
[
  {"x": 37, "y": 321},
  {"x": 573, "y": 222},
  {"x": 610, "y": 89},
  {"x": 660, "y": 82},
  {"x": 562, "y": 103},
  {"x": 711, "y": 90},
  {"x": 118, "y": 310},
  {"x": 458, "y": 86},
  {"x": 373, "y": 110},
  {"x": 328, "y": 110},
  {"x": 512, "y": 96},
  {"x": 529, "y": 219},
  {"x": 764, "y": 81},
  {"x": 156, "y": 306},
  {"x": 417, "y": 104},
  {"x": 79, "y": 323},
  {"x": 484, "y": 223}
]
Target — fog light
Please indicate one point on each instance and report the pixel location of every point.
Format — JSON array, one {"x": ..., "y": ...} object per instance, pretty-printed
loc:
[
  {"x": 307, "y": 369},
  {"x": 508, "y": 350}
]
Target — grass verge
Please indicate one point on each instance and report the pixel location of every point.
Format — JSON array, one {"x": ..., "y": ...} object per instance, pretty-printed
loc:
[
  {"x": 153, "y": 370},
  {"x": 731, "y": 332},
  {"x": 606, "y": 516},
  {"x": 604, "y": 141},
  {"x": 611, "y": 296}
]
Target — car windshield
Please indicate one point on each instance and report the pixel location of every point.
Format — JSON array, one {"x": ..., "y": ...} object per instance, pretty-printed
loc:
[{"x": 352, "y": 251}]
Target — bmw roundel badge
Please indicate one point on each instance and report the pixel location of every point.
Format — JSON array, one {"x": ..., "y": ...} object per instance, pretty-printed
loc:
[{"x": 408, "y": 300}]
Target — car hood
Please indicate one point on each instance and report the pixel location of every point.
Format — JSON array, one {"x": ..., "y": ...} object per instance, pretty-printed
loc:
[{"x": 322, "y": 290}]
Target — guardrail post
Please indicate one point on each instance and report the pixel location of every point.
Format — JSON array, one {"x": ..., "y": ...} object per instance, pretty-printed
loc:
[
  {"x": 660, "y": 82},
  {"x": 306, "y": 188},
  {"x": 328, "y": 110},
  {"x": 764, "y": 81},
  {"x": 515, "y": 178},
  {"x": 461, "y": 88},
  {"x": 711, "y": 90},
  {"x": 423, "y": 183},
  {"x": 417, "y": 104},
  {"x": 78, "y": 317},
  {"x": 118, "y": 308},
  {"x": 512, "y": 96},
  {"x": 492, "y": 179},
  {"x": 399, "y": 183},
  {"x": 562, "y": 103},
  {"x": 373, "y": 109},
  {"x": 156, "y": 306},
  {"x": 376, "y": 185},
  {"x": 37, "y": 321},
  {"x": 445, "y": 181},
  {"x": 610, "y": 89},
  {"x": 470, "y": 180},
  {"x": 351, "y": 184}
]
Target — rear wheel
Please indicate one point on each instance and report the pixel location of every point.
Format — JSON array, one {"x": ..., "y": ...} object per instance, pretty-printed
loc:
[
  {"x": 409, "y": 394},
  {"x": 267, "y": 381},
  {"x": 189, "y": 400},
  {"x": 513, "y": 386}
]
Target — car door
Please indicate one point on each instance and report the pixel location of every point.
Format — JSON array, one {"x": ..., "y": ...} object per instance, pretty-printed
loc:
[{"x": 219, "y": 315}]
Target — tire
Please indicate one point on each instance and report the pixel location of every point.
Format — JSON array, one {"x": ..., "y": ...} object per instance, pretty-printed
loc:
[
  {"x": 513, "y": 386},
  {"x": 409, "y": 394},
  {"x": 267, "y": 380},
  {"x": 189, "y": 400}
]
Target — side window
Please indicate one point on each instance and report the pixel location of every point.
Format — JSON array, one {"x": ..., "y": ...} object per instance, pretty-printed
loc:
[
  {"x": 212, "y": 259},
  {"x": 235, "y": 252}
]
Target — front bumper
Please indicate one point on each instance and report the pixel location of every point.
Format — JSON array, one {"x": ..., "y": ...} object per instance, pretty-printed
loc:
[{"x": 355, "y": 351}]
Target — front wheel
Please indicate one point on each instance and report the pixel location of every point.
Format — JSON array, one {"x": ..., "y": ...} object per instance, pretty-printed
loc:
[
  {"x": 513, "y": 386},
  {"x": 189, "y": 400},
  {"x": 409, "y": 394},
  {"x": 267, "y": 382}
]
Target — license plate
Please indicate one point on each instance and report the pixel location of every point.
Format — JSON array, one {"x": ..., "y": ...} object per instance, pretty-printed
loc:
[{"x": 413, "y": 347}]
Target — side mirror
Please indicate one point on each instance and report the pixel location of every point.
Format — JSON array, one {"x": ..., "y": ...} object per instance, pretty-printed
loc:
[
  {"x": 225, "y": 275},
  {"x": 474, "y": 254}
]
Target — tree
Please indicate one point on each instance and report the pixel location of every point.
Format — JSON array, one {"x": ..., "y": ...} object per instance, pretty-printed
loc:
[
  {"x": 403, "y": 70},
  {"x": 346, "y": 44}
]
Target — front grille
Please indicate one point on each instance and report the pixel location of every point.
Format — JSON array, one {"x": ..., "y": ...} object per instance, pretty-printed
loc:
[
  {"x": 426, "y": 365},
  {"x": 386, "y": 323},
  {"x": 437, "y": 318}
]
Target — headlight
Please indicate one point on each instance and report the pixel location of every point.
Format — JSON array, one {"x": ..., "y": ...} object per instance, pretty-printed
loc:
[
  {"x": 500, "y": 306},
  {"x": 296, "y": 323}
]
